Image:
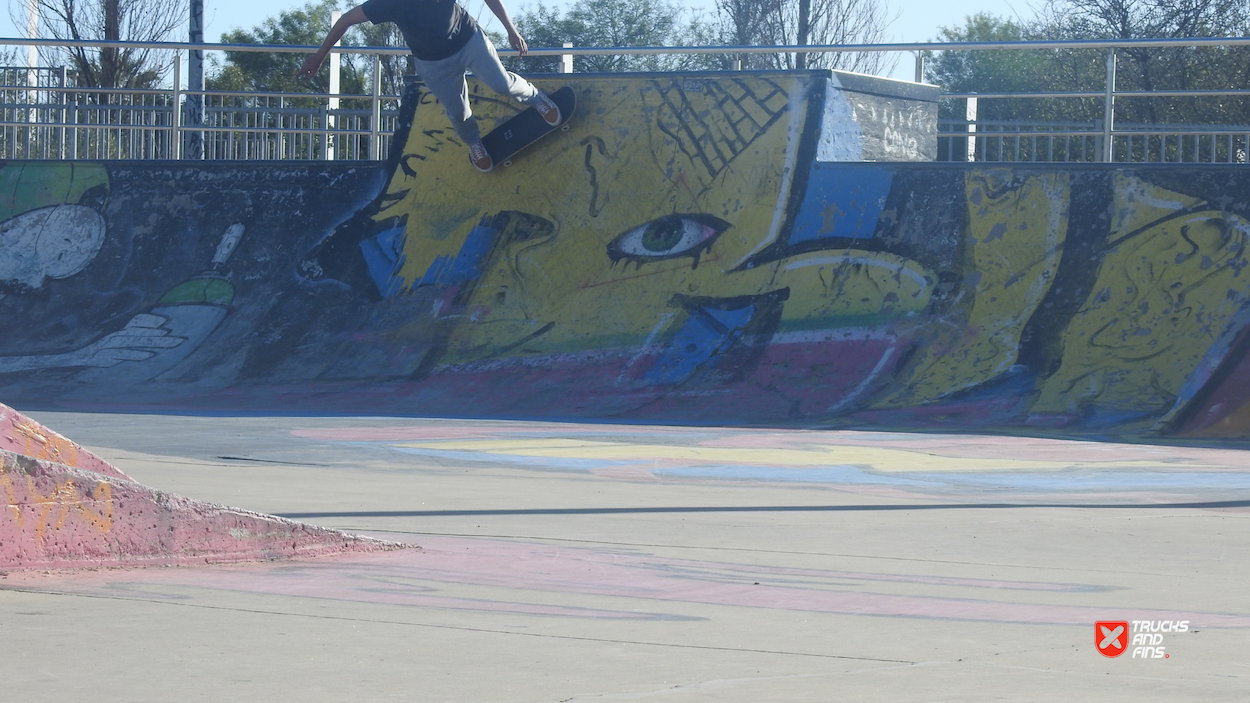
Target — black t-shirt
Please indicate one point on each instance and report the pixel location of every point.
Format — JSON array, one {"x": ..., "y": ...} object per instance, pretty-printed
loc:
[{"x": 433, "y": 29}]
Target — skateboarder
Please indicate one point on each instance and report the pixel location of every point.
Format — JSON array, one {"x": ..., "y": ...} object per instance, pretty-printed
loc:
[{"x": 445, "y": 41}]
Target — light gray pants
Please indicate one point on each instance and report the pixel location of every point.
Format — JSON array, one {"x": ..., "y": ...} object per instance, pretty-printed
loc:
[{"x": 445, "y": 78}]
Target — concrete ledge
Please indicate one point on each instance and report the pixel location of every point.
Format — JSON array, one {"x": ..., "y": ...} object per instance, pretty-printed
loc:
[
  {"x": 22, "y": 435},
  {"x": 59, "y": 517}
]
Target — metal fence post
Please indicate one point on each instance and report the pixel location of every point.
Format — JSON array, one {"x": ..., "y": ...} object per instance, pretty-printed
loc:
[
  {"x": 566, "y": 60},
  {"x": 332, "y": 104},
  {"x": 375, "y": 122},
  {"x": 281, "y": 142},
  {"x": 61, "y": 100},
  {"x": 920, "y": 67},
  {"x": 970, "y": 115},
  {"x": 175, "y": 120},
  {"x": 195, "y": 83},
  {"x": 1108, "y": 110}
]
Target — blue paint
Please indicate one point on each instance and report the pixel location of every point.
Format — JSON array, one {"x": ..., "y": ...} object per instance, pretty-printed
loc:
[
  {"x": 1173, "y": 482},
  {"x": 466, "y": 265},
  {"x": 383, "y": 254},
  {"x": 545, "y": 463},
  {"x": 986, "y": 483},
  {"x": 841, "y": 202},
  {"x": 706, "y": 333},
  {"x": 837, "y": 473}
]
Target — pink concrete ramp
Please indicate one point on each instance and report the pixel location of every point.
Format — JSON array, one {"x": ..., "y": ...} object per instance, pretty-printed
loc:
[
  {"x": 21, "y": 435},
  {"x": 89, "y": 514}
]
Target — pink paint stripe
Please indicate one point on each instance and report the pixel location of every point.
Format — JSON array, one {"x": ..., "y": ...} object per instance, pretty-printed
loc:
[{"x": 409, "y": 578}]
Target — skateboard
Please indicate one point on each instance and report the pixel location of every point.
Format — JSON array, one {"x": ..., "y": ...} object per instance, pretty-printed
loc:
[{"x": 526, "y": 127}]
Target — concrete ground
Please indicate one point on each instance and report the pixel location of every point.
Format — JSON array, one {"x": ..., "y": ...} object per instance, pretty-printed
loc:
[{"x": 576, "y": 562}]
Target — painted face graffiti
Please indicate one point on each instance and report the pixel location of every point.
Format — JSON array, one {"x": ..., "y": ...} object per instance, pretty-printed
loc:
[{"x": 665, "y": 201}]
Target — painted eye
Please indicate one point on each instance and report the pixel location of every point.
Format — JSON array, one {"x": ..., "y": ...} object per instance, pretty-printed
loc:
[{"x": 668, "y": 237}]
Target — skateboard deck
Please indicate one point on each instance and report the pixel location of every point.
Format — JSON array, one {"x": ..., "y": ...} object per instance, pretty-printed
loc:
[{"x": 526, "y": 127}]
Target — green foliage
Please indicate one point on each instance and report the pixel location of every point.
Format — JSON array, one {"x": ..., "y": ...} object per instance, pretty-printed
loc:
[
  {"x": 606, "y": 23},
  {"x": 276, "y": 72},
  {"x": 1198, "y": 68},
  {"x": 1005, "y": 71}
]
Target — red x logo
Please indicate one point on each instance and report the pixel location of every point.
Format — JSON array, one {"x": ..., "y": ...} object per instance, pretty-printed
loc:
[{"x": 1111, "y": 637}]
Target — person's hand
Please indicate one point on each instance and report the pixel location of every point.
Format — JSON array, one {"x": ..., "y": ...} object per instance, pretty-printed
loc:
[
  {"x": 518, "y": 42},
  {"x": 312, "y": 64}
]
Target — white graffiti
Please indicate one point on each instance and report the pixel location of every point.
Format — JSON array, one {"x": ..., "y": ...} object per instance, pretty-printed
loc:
[
  {"x": 140, "y": 339},
  {"x": 51, "y": 242}
]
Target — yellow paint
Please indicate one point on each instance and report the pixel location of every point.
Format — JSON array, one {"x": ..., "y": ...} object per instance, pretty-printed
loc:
[
  {"x": 103, "y": 495},
  {"x": 9, "y": 494},
  {"x": 64, "y": 496},
  {"x": 44, "y": 504},
  {"x": 40, "y": 443},
  {"x": 1166, "y": 291},
  {"x": 1016, "y": 230},
  {"x": 650, "y": 149},
  {"x": 879, "y": 459},
  {"x": 825, "y": 286}
]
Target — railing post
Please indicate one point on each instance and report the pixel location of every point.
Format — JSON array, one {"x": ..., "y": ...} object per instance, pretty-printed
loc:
[
  {"x": 195, "y": 83},
  {"x": 566, "y": 60},
  {"x": 61, "y": 130},
  {"x": 32, "y": 56},
  {"x": 375, "y": 122},
  {"x": 73, "y": 130},
  {"x": 970, "y": 115},
  {"x": 280, "y": 146},
  {"x": 331, "y": 123},
  {"x": 1108, "y": 110},
  {"x": 920, "y": 67},
  {"x": 175, "y": 120}
]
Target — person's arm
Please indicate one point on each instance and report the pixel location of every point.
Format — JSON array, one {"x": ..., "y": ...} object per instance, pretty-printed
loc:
[
  {"x": 514, "y": 37},
  {"x": 313, "y": 63}
]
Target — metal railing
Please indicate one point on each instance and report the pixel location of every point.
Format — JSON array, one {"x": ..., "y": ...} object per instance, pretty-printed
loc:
[
  {"x": 43, "y": 116},
  {"x": 77, "y": 123},
  {"x": 1083, "y": 142}
]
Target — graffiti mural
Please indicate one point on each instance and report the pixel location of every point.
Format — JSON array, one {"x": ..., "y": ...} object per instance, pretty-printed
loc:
[{"x": 694, "y": 248}]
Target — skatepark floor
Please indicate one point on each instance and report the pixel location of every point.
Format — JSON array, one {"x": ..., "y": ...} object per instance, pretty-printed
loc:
[{"x": 599, "y": 562}]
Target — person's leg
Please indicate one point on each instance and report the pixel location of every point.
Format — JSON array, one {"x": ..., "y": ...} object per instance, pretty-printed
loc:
[
  {"x": 481, "y": 58},
  {"x": 445, "y": 79}
]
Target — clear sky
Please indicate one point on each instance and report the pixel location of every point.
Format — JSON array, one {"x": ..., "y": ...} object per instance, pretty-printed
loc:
[{"x": 918, "y": 20}]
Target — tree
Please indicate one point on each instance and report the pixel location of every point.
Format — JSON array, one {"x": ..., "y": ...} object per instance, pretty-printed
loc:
[
  {"x": 776, "y": 22},
  {"x": 113, "y": 20},
  {"x": 999, "y": 71},
  {"x": 1154, "y": 69},
  {"x": 619, "y": 23},
  {"x": 742, "y": 23},
  {"x": 246, "y": 71},
  {"x": 1075, "y": 69}
]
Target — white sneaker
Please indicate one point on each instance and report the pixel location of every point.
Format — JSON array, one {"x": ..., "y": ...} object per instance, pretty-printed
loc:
[
  {"x": 548, "y": 109},
  {"x": 479, "y": 158}
]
